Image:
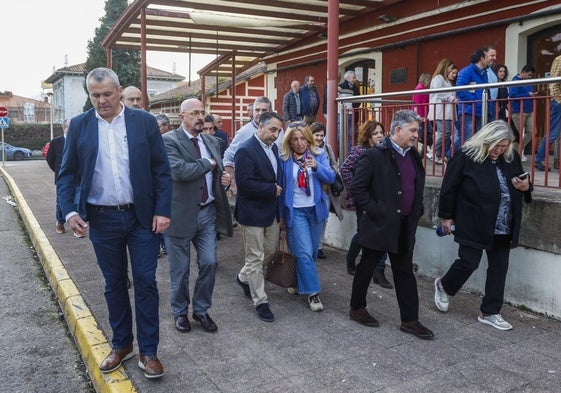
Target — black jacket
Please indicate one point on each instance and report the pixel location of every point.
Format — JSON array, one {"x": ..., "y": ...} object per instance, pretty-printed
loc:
[
  {"x": 376, "y": 189},
  {"x": 471, "y": 195},
  {"x": 54, "y": 154}
]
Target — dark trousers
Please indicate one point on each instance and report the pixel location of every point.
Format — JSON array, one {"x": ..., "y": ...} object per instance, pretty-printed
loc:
[
  {"x": 468, "y": 261},
  {"x": 354, "y": 247},
  {"x": 404, "y": 280}
]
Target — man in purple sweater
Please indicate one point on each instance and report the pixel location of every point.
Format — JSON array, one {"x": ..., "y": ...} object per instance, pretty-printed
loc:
[{"x": 388, "y": 186}]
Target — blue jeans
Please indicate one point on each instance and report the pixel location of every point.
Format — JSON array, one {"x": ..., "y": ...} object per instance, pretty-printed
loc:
[
  {"x": 112, "y": 232},
  {"x": 179, "y": 257},
  {"x": 445, "y": 129},
  {"x": 554, "y": 128},
  {"x": 303, "y": 240},
  {"x": 465, "y": 123}
]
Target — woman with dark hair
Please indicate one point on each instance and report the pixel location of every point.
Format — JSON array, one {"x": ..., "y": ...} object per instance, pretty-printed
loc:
[
  {"x": 481, "y": 204},
  {"x": 502, "y": 97},
  {"x": 318, "y": 132},
  {"x": 305, "y": 170},
  {"x": 369, "y": 135}
]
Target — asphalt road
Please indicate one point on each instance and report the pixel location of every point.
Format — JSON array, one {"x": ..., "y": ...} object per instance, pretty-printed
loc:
[{"x": 37, "y": 352}]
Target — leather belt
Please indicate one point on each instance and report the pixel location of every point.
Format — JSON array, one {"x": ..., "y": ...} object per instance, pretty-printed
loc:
[{"x": 120, "y": 208}]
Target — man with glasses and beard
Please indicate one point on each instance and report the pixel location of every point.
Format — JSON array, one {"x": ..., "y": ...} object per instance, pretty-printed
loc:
[{"x": 199, "y": 208}]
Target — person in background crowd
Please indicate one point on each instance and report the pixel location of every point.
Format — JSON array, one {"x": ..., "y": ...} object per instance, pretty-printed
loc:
[
  {"x": 291, "y": 106},
  {"x": 163, "y": 122},
  {"x": 441, "y": 109},
  {"x": 124, "y": 201},
  {"x": 501, "y": 103},
  {"x": 305, "y": 169},
  {"x": 369, "y": 135},
  {"x": 197, "y": 208},
  {"x": 54, "y": 160},
  {"x": 258, "y": 208},
  {"x": 132, "y": 97},
  {"x": 555, "y": 114},
  {"x": 349, "y": 88},
  {"x": 309, "y": 99},
  {"x": 481, "y": 196},
  {"x": 210, "y": 128},
  {"x": 318, "y": 132},
  {"x": 220, "y": 133},
  {"x": 388, "y": 186},
  {"x": 422, "y": 108},
  {"x": 522, "y": 108},
  {"x": 469, "y": 101},
  {"x": 260, "y": 106}
]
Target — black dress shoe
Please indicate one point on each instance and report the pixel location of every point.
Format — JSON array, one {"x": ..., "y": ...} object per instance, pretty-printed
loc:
[
  {"x": 321, "y": 255},
  {"x": 363, "y": 317},
  {"x": 182, "y": 324},
  {"x": 206, "y": 322},
  {"x": 417, "y": 329},
  {"x": 245, "y": 287}
]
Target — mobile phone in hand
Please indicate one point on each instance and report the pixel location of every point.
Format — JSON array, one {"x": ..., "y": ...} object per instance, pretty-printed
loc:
[{"x": 523, "y": 176}]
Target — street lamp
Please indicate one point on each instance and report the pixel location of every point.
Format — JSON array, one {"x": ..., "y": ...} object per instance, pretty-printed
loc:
[{"x": 50, "y": 94}]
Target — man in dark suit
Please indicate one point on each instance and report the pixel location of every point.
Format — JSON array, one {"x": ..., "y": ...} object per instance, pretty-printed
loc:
[
  {"x": 388, "y": 186},
  {"x": 199, "y": 208},
  {"x": 114, "y": 157},
  {"x": 54, "y": 159},
  {"x": 259, "y": 180}
]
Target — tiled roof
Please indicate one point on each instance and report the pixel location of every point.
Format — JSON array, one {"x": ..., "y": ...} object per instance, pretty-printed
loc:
[
  {"x": 10, "y": 100},
  {"x": 80, "y": 69},
  {"x": 185, "y": 91}
]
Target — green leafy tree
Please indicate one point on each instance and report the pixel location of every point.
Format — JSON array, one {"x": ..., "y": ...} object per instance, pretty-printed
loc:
[{"x": 126, "y": 63}]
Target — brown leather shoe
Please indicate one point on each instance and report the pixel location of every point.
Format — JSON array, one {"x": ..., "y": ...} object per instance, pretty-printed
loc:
[
  {"x": 417, "y": 329},
  {"x": 60, "y": 229},
  {"x": 363, "y": 317},
  {"x": 151, "y": 365},
  {"x": 114, "y": 360}
]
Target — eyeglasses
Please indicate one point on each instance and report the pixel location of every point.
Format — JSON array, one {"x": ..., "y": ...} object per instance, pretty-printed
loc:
[{"x": 196, "y": 112}]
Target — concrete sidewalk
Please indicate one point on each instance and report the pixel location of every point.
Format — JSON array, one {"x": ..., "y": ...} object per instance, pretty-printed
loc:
[{"x": 301, "y": 351}]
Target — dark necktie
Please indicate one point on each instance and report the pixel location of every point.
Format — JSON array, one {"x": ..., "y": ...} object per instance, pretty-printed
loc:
[{"x": 205, "y": 189}]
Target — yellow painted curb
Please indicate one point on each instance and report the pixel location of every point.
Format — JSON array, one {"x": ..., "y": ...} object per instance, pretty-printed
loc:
[{"x": 88, "y": 336}]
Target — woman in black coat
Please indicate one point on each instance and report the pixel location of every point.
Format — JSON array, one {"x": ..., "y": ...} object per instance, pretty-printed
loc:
[{"x": 481, "y": 197}]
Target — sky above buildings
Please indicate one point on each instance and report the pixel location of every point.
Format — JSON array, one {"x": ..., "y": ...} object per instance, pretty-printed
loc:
[{"x": 37, "y": 36}]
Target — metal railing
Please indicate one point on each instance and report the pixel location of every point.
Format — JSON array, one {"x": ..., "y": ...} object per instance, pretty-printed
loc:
[{"x": 382, "y": 106}]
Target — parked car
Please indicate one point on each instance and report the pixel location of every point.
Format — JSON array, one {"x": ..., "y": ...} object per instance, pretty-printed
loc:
[{"x": 15, "y": 153}]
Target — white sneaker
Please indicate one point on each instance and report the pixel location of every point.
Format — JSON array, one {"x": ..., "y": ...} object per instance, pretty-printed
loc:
[
  {"x": 429, "y": 156},
  {"x": 524, "y": 158},
  {"x": 292, "y": 290},
  {"x": 496, "y": 321},
  {"x": 438, "y": 160},
  {"x": 440, "y": 296},
  {"x": 315, "y": 303}
]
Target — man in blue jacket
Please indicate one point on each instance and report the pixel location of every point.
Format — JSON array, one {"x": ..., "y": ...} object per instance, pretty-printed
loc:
[
  {"x": 522, "y": 107},
  {"x": 115, "y": 181},
  {"x": 470, "y": 101},
  {"x": 309, "y": 99}
]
